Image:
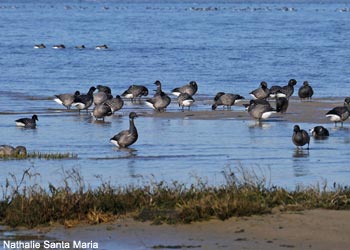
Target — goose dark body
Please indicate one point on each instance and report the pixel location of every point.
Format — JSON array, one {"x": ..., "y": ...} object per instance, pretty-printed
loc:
[
  {"x": 84, "y": 101},
  {"x": 160, "y": 100},
  {"x": 135, "y": 91},
  {"x": 27, "y": 122},
  {"x": 190, "y": 88},
  {"x": 288, "y": 90},
  {"x": 305, "y": 91},
  {"x": 66, "y": 99},
  {"x": 126, "y": 138},
  {"x": 319, "y": 132},
  {"x": 341, "y": 113},
  {"x": 282, "y": 104},
  {"x": 300, "y": 137},
  {"x": 225, "y": 99},
  {"x": 261, "y": 93}
]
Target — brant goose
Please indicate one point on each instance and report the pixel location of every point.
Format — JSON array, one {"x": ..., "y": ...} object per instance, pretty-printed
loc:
[
  {"x": 126, "y": 137},
  {"x": 261, "y": 93},
  {"x": 190, "y": 88},
  {"x": 101, "y": 111},
  {"x": 39, "y": 46},
  {"x": 340, "y": 114},
  {"x": 115, "y": 103},
  {"x": 101, "y": 47},
  {"x": 84, "y": 101},
  {"x": 300, "y": 137},
  {"x": 225, "y": 99},
  {"x": 160, "y": 100},
  {"x": 185, "y": 100},
  {"x": 135, "y": 91},
  {"x": 305, "y": 91},
  {"x": 260, "y": 111},
  {"x": 27, "y": 122},
  {"x": 59, "y": 46},
  {"x": 319, "y": 132},
  {"x": 66, "y": 99}
]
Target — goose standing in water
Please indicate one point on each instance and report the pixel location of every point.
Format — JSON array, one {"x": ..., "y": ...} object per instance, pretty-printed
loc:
[
  {"x": 6, "y": 150},
  {"x": 104, "y": 93},
  {"x": 160, "y": 100},
  {"x": 115, "y": 103},
  {"x": 185, "y": 100},
  {"x": 101, "y": 111},
  {"x": 190, "y": 88},
  {"x": 300, "y": 137},
  {"x": 84, "y": 101},
  {"x": 261, "y": 93},
  {"x": 225, "y": 99},
  {"x": 126, "y": 137},
  {"x": 66, "y": 99},
  {"x": 319, "y": 132},
  {"x": 27, "y": 122},
  {"x": 260, "y": 111},
  {"x": 340, "y": 114},
  {"x": 135, "y": 91},
  {"x": 305, "y": 91}
]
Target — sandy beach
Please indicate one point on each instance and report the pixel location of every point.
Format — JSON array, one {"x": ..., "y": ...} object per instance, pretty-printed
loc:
[
  {"x": 298, "y": 111},
  {"x": 313, "y": 229}
]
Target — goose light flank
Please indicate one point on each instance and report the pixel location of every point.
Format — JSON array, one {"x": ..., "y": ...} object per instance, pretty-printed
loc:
[
  {"x": 190, "y": 88},
  {"x": 84, "y": 101},
  {"x": 261, "y": 93},
  {"x": 66, "y": 99},
  {"x": 160, "y": 100},
  {"x": 135, "y": 91},
  {"x": 340, "y": 114},
  {"x": 126, "y": 138}
]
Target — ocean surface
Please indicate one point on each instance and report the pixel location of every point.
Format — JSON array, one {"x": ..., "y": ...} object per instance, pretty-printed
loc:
[{"x": 228, "y": 46}]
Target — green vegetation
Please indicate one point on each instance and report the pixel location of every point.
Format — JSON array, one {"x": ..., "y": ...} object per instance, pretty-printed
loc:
[
  {"x": 23, "y": 205},
  {"x": 38, "y": 155}
]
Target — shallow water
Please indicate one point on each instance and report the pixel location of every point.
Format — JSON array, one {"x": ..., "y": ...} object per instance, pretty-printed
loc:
[{"x": 226, "y": 46}]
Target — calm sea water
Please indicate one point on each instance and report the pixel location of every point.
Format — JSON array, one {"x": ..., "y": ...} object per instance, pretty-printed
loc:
[{"x": 226, "y": 46}]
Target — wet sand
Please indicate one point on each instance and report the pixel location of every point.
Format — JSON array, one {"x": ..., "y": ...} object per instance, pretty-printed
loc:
[
  {"x": 298, "y": 111},
  {"x": 314, "y": 229}
]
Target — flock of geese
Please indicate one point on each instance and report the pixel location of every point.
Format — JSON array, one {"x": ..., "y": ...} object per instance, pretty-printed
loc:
[
  {"x": 62, "y": 46},
  {"x": 259, "y": 108}
]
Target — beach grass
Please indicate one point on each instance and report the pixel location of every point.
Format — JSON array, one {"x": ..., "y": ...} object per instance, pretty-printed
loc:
[
  {"x": 73, "y": 201},
  {"x": 39, "y": 155}
]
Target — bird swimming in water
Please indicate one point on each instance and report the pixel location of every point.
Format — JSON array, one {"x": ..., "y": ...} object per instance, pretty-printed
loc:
[
  {"x": 128, "y": 137},
  {"x": 27, "y": 122},
  {"x": 319, "y": 132},
  {"x": 39, "y": 46}
]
